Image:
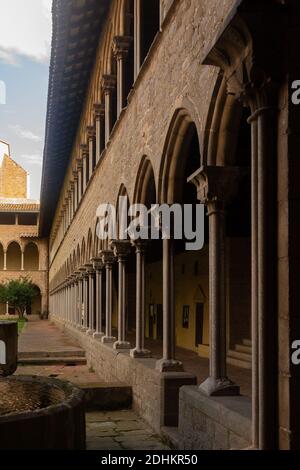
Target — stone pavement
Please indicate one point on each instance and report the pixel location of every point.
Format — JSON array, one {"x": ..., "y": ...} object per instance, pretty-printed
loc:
[
  {"x": 43, "y": 337},
  {"x": 109, "y": 430},
  {"x": 120, "y": 430}
]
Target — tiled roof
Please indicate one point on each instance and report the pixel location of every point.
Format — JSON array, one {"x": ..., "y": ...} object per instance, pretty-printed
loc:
[
  {"x": 77, "y": 27},
  {"x": 20, "y": 205}
]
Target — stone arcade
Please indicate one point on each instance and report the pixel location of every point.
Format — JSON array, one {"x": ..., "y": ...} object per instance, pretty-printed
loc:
[{"x": 181, "y": 101}]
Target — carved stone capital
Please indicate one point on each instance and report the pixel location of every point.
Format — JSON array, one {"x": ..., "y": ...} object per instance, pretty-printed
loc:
[
  {"x": 121, "y": 248},
  {"x": 99, "y": 110},
  {"x": 140, "y": 245},
  {"x": 97, "y": 264},
  {"x": 90, "y": 132},
  {"x": 121, "y": 46},
  {"x": 217, "y": 184},
  {"x": 108, "y": 257},
  {"x": 84, "y": 150},
  {"x": 108, "y": 83}
]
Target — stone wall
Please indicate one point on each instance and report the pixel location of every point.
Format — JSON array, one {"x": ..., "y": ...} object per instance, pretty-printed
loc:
[
  {"x": 13, "y": 179},
  {"x": 170, "y": 79},
  {"x": 213, "y": 423},
  {"x": 155, "y": 394}
]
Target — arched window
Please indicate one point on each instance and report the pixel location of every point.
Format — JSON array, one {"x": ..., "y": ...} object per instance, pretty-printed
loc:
[
  {"x": 129, "y": 32},
  {"x": 31, "y": 257},
  {"x": 147, "y": 18},
  {"x": 13, "y": 257}
]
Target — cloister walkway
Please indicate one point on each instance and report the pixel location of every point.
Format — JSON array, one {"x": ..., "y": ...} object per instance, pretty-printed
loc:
[{"x": 43, "y": 351}]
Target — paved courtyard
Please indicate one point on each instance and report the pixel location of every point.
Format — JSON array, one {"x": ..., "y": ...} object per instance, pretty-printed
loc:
[
  {"x": 120, "y": 430},
  {"x": 106, "y": 430}
]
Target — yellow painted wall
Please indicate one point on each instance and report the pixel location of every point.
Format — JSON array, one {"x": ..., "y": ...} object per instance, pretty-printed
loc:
[{"x": 190, "y": 289}]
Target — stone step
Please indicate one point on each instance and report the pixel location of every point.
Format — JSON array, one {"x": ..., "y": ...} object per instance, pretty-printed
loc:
[
  {"x": 238, "y": 363},
  {"x": 106, "y": 396},
  {"x": 242, "y": 356},
  {"x": 50, "y": 361},
  {"x": 247, "y": 342},
  {"x": 51, "y": 354},
  {"x": 243, "y": 348}
]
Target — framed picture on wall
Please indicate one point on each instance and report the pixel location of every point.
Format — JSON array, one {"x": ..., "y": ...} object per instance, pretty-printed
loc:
[{"x": 185, "y": 316}]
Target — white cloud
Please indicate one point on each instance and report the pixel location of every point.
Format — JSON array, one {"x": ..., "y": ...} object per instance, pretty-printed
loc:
[
  {"x": 35, "y": 159},
  {"x": 8, "y": 57},
  {"x": 25, "y": 134},
  {"x": 25, "y": 30}
]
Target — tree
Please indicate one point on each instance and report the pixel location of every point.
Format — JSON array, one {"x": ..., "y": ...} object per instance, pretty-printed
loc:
[{"x": 18, "y": 293}]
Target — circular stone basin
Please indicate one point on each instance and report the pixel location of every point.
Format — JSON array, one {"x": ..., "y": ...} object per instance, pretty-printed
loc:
[{"x": 41, "y": 413}]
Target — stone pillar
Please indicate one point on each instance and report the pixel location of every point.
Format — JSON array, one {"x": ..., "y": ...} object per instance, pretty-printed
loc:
[
  {"x": 108, "y": 86},
  {"x": 75, "y": 198},
  {"x": 139, "y": 350},
  {"x": 79, "y": 181},
  {"x": 108, "y": 260},
  {"x": 216, "y": 186},
  {"x": 121, "y": 46},
  {"x": 85, "y": 156},
  {"x": 99, "y": 115},
  {"x": 168, "y": 362},
  {"x": 90, "y": 272},
  {"x": 121, "y": 250},
  {"x": 5, "y": 260},
  {"x": 98, "y": 266},
  {"x": 91, "y": 136},
  {"x": 22, "y": 260},
  {"x": 80, "y": 310},
  {"x": 85, "y": 301},
  {"x": 137, "y": 37}
]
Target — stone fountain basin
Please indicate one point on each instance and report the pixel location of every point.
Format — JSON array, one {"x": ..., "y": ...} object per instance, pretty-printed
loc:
[{"x": 41, "y": 413}]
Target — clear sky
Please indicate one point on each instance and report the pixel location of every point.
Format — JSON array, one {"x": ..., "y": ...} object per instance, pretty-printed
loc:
[{"x": 25, "y": 41}]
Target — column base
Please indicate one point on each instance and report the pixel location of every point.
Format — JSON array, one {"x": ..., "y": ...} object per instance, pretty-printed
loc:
[
  {"x": 140, "y": 353},
  {"x": 122, "y": 345},
  {"x": 83, "y": 329},
  {"x": 90, "y": 332},
  {"x": 108, "y": 339},
  {"x": 213, "y": 387},
  {"x": 98, "y": 335},
  {"x": 167, "y": 365}
]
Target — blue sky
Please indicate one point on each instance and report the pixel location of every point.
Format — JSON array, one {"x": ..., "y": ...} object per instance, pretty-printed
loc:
[{"x": 25, "y": 38}]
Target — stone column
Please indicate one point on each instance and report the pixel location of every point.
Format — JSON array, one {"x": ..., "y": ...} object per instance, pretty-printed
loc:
[
  {"x": 22, "y": 260},
  {"x": 99, "y": 115},
  {"x": 121, "y": 250},
  {"x": 139, "y": 350},
  {"x": 85, "y": 300},
  {"x": 75, "y": 199},
  {"x": 168, "y": 362},
  {"x": 137, "y": 37},
  {"x": 91, "y": 136},
  {"x": 80, "y": 310},
  {"x": 79, "y": 181},
  {"x": 5, "y": 260},
  {"x": 98, "y": 266},
  {"x": 85, "y": 156},
  {"x": 108, "y": 260},
  {"x": 216, "y": 186},
  {"x": 121, "y": 46},
  {"x": 108, "y": 86},
  {"x": 90, "y": 272}
]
